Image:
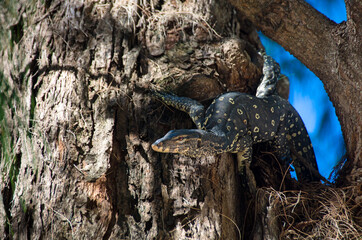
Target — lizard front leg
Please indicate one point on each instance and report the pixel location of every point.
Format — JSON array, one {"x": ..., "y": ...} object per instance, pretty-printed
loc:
[
  {"x": 192, "y": 107},
  {"x": 244, "y": 158},
  {"x": 244, "y": 153}
]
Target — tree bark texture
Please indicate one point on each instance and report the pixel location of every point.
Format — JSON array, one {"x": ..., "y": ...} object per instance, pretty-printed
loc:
[
  {"x": 84, "y": 121},
  {"x": 332, "y": 51}
]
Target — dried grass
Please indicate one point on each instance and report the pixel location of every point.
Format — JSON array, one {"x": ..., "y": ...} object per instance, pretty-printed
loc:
[{"x": 321, "y": 212}]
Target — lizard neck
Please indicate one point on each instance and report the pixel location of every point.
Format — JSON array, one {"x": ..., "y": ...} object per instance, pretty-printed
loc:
[{"x": 212, "y": 143}]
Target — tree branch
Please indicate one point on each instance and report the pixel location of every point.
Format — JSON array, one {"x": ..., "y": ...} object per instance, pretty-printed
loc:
[
  {"x": 354, "y": 9},
  {"x": 298, "y": 27}
]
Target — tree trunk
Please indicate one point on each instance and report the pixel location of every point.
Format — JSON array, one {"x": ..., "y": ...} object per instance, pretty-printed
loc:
[
  {"x": 80, "y": 120},
  {"x": 85, "y": 120}
]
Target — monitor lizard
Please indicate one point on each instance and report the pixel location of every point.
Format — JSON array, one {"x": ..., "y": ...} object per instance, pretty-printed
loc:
[{"x": 235, "y": 121}]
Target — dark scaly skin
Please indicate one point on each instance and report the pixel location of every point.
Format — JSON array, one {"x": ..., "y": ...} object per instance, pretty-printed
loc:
[
  {"x": 271, "y": 75},
  {"x": 235, "y": 121}
]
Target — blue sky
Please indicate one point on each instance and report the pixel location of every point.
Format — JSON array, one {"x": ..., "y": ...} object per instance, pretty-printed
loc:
[{"x": 308, "y": 96}]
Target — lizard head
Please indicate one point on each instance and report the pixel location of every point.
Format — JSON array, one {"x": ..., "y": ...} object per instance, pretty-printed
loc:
[{"x": 184, "y": 141}]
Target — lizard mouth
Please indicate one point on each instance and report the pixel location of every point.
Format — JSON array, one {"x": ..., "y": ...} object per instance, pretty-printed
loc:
[{"x": 159, "y": 148}]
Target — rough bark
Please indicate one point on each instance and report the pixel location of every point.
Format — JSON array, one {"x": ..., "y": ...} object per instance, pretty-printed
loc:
[
  {"x": 332, "y": 51},
  {"x": 84, "y": 121}
]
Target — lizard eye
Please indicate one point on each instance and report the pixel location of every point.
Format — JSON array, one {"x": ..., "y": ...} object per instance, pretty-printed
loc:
[{"x": 180, "y": 139}]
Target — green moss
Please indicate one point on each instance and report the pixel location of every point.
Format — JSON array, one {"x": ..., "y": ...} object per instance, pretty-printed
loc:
[
  {"x": 8, "y": 9},
  {"x": 8, "y": 101},
  {"x": 23, "y": 205}
]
